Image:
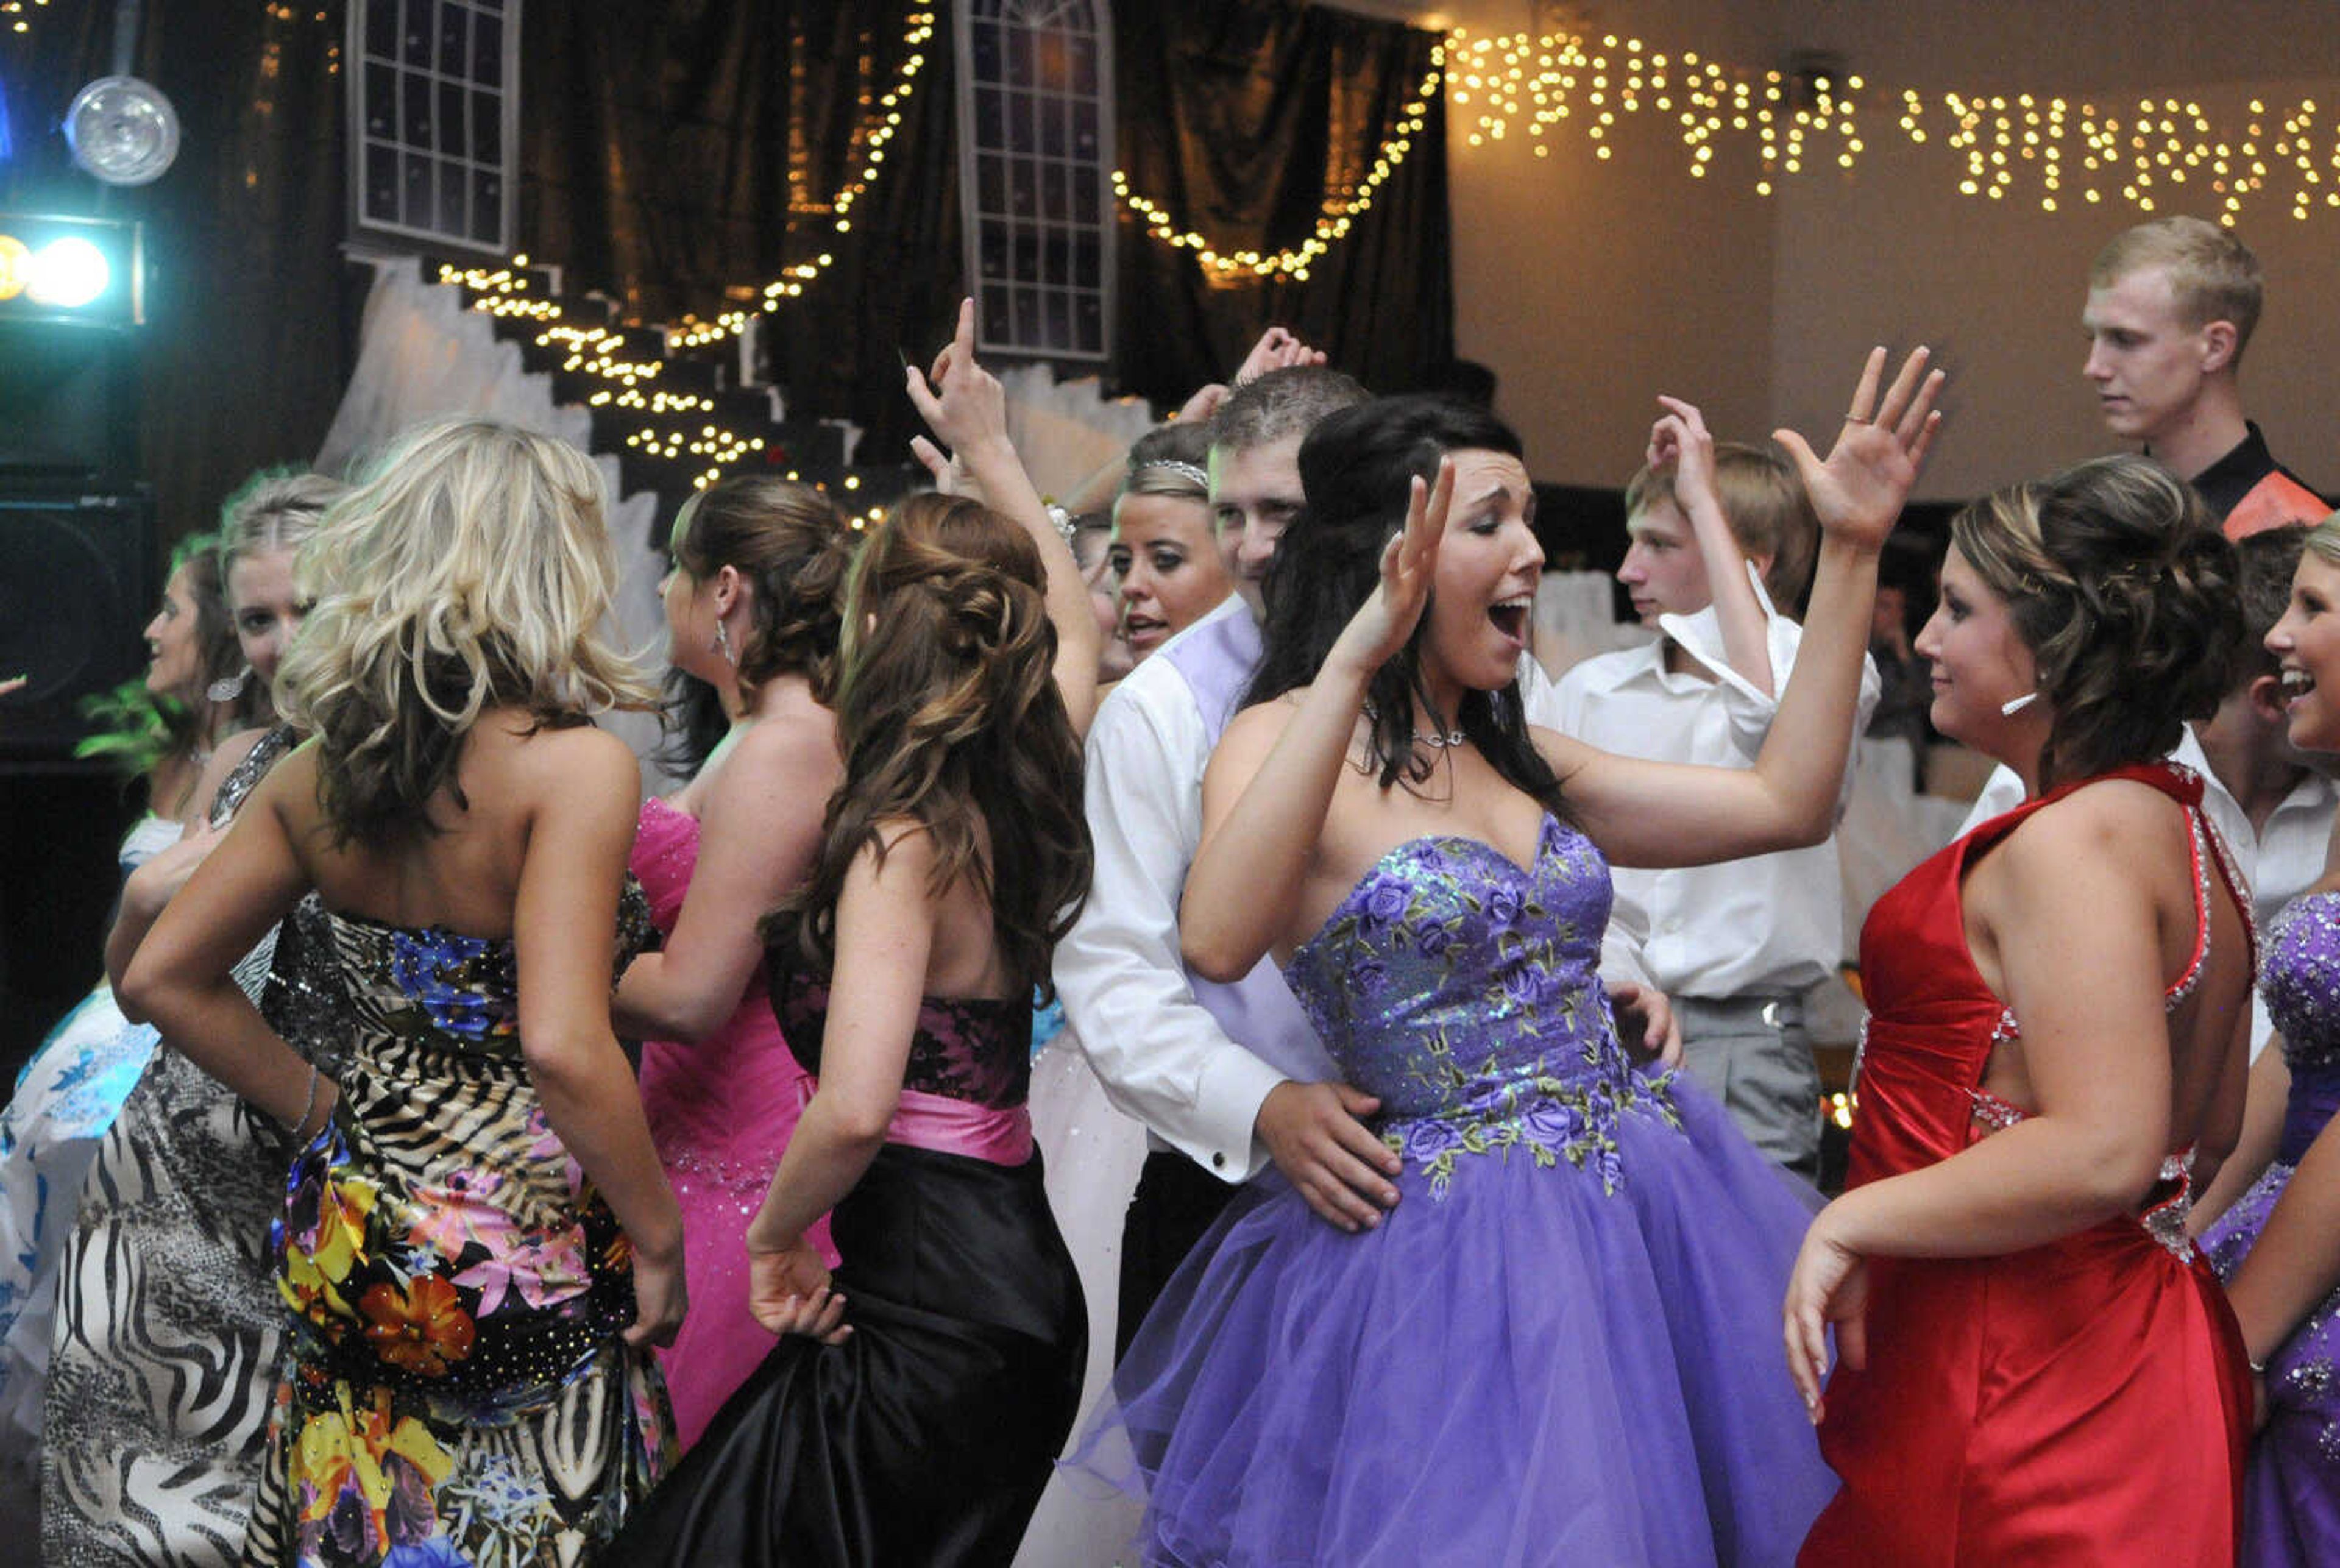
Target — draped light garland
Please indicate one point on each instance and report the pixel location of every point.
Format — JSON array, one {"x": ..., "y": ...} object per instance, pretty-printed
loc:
[
  {"x": 1331, "y": 227},
  {"x": 598, "y": 352},
  {"x": 2050, "y": 147}
]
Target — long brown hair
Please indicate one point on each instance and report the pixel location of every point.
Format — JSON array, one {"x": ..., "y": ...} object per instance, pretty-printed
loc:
[{"x": 949, "y": 714}]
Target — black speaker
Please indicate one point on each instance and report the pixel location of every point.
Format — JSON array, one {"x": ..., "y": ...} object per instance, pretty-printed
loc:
[
  {"x": 77, "y": 582},
  {"x": 68, "y": 403}
]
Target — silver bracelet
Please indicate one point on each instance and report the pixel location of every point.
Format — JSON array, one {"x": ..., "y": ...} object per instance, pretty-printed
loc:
[
  {"x": 308, "y": 1110},
  {"x": 1063, "y": 522}
]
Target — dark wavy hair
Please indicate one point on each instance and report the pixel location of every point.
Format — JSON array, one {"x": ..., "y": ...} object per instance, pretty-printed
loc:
[
  {"x": 950, "y": 716},
  {"x": 1357, "y": 468},
  {"x": 2117, "y": 579}
]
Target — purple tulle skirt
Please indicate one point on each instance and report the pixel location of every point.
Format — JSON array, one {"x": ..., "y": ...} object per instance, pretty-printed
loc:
[
  {"x": 1526, "y": 1368},
  {"x": 2291, "y": 1494}
]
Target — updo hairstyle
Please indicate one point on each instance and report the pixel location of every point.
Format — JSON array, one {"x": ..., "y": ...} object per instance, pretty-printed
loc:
[{"x": 2117, "y": 579}]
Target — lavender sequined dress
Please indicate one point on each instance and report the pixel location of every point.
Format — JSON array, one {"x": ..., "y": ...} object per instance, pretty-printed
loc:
[
  {"x": 1562, "y": 1345},
  {"x": 2291, "y": 1494}
]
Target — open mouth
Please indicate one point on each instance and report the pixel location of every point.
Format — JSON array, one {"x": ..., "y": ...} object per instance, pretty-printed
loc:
[
  {"x": 2296, "y": 683},
  {"x": 1142, "y": 628},
  {"x": 1510, "y": 616}
]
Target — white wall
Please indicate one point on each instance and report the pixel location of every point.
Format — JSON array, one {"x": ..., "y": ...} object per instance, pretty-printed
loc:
[{"x": 1589, "y": 286}]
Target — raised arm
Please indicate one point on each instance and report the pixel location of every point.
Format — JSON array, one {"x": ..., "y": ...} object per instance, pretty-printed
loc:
[
  {"x": 884, "y": 934},
  {"x": 966, "y": 409},
  {"x": 759, "y": 829},
  {"x": 584, "y": 789},
  {"x": 1644, "y": 813},
  {"x": 1680, "y": 442},
  {"x": 1271, "y": 780}
]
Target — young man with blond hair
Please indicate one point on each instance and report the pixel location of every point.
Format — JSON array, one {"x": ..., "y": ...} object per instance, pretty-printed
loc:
[{"x": 2171, "y": 306}]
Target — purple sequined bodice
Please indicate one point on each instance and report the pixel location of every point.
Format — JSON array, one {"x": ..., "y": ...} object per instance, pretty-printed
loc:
[
  {"x": 2300, "y": 978},
  {"x": 1460, "y": 987}
]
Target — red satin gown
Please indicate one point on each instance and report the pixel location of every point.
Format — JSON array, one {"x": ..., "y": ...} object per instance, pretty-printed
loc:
[{"x": 2081, "y": 1403}]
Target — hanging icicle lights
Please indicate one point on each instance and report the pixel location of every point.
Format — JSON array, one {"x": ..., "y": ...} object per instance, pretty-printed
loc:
[
  {"x": 2050, "y": 148},
  {"x": 1331, "y": 228}
]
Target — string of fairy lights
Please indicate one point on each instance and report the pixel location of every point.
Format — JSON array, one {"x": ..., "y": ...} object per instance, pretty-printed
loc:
[
  {"x": 599, "y": 354},
  {"x": 18, "y": 14},
  {"x": 1332, "y": 226},
  {"x": 2051, "y": 148}
]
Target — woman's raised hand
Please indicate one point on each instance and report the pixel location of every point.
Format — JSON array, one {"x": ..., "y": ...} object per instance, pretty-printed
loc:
[
  {"x": 963, "y": 404},
  {"x": 1857, "y": 491},
  {"x": 1409, "y": 562}
]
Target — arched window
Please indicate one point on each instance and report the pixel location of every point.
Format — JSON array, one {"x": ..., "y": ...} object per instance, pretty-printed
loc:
[
  {"x": 1035, "y": 144},
  {"x": 434, "y": 109}
]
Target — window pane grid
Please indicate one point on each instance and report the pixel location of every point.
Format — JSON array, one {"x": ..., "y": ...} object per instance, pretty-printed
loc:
[
  {"x": 435, "y": 119},
  {"x": 1033, "y": 112}
]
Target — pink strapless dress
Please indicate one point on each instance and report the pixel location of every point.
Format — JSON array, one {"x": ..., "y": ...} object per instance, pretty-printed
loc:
[{"x": 721, "y": 1112}]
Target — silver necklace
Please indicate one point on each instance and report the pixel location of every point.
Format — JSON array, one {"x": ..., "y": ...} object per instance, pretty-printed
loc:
[{"x": 1434, "y": 740}]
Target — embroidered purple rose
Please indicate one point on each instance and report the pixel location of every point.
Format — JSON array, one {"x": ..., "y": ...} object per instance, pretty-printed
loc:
[
  {"x": 1434, "y": 940},
  {"x": 1427, "y": 1138},
  {"x": 1503, "y": 906},
  {"x": 1386, "y": 902},
  {"x": 1550, "y": 1122}
]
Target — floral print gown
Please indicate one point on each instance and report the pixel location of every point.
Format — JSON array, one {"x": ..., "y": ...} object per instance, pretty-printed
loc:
[{"x": 457, "y": 1392}]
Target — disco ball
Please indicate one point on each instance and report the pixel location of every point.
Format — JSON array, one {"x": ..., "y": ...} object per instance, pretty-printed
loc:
[{"x": 122, "y": 130}]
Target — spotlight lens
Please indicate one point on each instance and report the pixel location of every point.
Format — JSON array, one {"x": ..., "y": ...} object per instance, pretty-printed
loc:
[
  {"x": 16, "y": 261},
  {"x": 68, "y": 273}
]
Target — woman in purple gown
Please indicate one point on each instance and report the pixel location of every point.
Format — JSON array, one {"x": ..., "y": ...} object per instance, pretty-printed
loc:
[
  {"x": 2278, "y": 1247},
  {"x": 1552, "y": 1345}
]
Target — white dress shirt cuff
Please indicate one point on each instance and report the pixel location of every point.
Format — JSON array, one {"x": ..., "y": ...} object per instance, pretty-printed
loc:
[{"x": 1220, "y": 1135}]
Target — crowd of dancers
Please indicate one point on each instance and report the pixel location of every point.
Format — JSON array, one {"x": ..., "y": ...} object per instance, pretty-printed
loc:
[{"x": 1398, "y": 1187}]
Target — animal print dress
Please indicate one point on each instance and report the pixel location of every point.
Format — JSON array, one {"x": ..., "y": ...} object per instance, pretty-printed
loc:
[{"x": 169, "y": 1328}]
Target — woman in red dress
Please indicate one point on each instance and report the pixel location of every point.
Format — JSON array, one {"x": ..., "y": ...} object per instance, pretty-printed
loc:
[{"x": 2035, "y": 1366}]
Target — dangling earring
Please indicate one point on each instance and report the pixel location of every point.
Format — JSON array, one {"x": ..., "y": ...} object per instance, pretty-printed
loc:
[
  {"x": 2015, "y": 705},
  {"x": 228, "y": 688},
  {"x": 723, "y": 643}
]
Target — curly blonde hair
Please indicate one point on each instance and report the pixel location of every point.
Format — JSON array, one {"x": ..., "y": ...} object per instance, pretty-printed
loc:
[{"x": 471, "y": 571}]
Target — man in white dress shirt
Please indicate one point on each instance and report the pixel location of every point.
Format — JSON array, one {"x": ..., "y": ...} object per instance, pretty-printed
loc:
[
  {"x": 1736, "y": 944},
  {"x": 1228, "y": 1080}
]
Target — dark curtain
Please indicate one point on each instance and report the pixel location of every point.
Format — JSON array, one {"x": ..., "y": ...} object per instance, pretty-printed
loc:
[
  {"x": 244, "y": 361},
  {"x": 1241, "y": 118},
  {"x": 679, "y": 154}
]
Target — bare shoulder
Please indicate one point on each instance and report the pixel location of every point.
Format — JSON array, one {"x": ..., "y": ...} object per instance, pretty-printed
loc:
[
  {"x": 2114, "y": 829},
  {"x": 797, "y": 732},
  {"x": 564, "y": 770},
  {"x": 903, "y": 844},
  {"x": 1561, "y": 752},
  {"x": 1256, "y": 728}
]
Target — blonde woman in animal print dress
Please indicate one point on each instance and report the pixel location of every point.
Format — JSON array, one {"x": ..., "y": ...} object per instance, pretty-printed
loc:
[{"x": 477, "y": 1245}]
